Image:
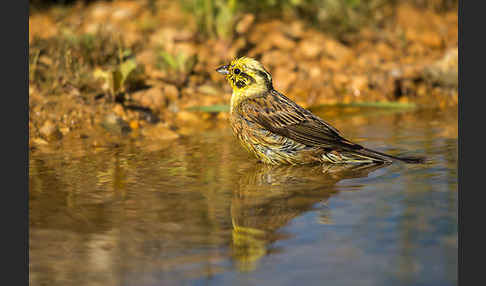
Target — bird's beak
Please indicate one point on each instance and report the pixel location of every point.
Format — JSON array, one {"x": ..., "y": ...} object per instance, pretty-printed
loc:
[{"x": 223, "y": 70}]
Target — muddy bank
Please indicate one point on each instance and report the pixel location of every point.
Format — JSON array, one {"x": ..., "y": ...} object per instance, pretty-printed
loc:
[{"x": 144, "y": 70}]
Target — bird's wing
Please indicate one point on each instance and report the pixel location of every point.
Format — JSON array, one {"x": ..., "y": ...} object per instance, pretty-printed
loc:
[{"x": 280, "y": 115}]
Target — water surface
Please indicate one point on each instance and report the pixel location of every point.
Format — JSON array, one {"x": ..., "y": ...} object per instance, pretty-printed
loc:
[{"x": 201, "y": 211}]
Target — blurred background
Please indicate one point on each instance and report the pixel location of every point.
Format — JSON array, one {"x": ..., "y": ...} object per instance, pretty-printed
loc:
[{"x": 147, "y": 68}]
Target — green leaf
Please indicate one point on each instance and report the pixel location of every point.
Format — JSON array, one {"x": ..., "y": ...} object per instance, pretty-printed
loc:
[
  {"x": 117, "y": 81},
  {"x": 210, "y": 108},
  {"x": 126, "y": 68},
  {"x": 376, "y": 104}
]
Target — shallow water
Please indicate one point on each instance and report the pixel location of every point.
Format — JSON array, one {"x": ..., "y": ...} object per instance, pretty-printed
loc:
[{"x": 200, "y": 211}]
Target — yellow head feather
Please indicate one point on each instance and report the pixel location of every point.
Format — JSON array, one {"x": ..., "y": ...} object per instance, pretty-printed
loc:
[{"x": 247, "y": 77}]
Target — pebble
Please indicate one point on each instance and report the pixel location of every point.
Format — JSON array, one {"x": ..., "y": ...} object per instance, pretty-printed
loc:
[{"x": 50, "y": 131}]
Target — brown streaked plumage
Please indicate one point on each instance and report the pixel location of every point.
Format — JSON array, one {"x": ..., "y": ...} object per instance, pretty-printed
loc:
[{"x": 278, "y": 131}]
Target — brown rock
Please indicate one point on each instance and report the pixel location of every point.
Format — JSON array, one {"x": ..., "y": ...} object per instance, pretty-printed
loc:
[
  {"x": 384, "y": 51},
  {"x": 311, "y": 68},
  {"x": 429, "y": 39},
  {"x": 171, "y": 92},
  {"x": 209, "y": 89},
  {"x": 262, "y": 30},
  {"x": 164, "y": 37},
  {"x": 50, "y": 131},
  {"x": 280, "y": 41},
  {"x": 369, "y": 59},
  {"x": 328, "y": 64},
  {"x": 187, "y": 117},
  {"x": 146, "y": 57},
  {"x": 275, "y": 40},
  {"x": 308, "y": 50},
  {"x": 159, "y": 132},
  {"x": 155, "y": 97},
  {"x": 283, "y": 78},
  {"x": 39, "y": 141},
  {"x": 185, "y": 48},
  {"x": 444, "y": 71},
  {"x": 124, "y": 10},
  {"x": 115, "y": 124},
  {"x": 150, "y": 98},
  {"x": 134, "y": 124},
  {"x": 245, "y": 23},
  {"x": 295, "y": 30},
  {"x": 100, "y": 12},
  {"x": 336, "y": 50},
  {"x": 118, "y": 110},
  {"x": 417, "y": 50},
  {"x": 236, "y": 46},
  {"x": 359, "y": 84},
  {"x": 41, "y": 25},
  {"x": 340, "y": 80},
  {"x": 64, "y": 130},
  {"x": 324, "y": 95},
  {"x": 276, "y": 58}
]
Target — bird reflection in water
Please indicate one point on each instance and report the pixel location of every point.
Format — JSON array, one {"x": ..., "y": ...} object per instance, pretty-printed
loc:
[{"x": 269, "y": 197}]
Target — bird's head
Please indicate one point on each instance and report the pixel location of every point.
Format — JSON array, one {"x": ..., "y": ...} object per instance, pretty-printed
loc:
[{"x": 246, "y": 76}]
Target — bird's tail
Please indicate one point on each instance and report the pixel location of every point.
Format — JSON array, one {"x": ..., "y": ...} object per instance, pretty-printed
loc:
[{"x": 387, "y": 158}]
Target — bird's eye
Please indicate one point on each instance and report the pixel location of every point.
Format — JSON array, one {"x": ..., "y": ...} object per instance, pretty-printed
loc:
[{"x": 237, "y": 71}]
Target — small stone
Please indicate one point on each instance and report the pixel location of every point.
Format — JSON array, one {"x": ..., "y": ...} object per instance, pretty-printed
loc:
[
  {"x": 187, "y": 117},
  {"x": 328, "y": 64},
  {"x": 359, "y": 84},
  {"x": 146, "y": 57},
  {"x": 115, "y": 124},
  {"x": 295, "y": 30},
  {"x": 278, "y": 58},
  {"x": 427, "y": 38},
  {"x": 45, "y": 60},
  {"x": 39, "y": 141},
  {"x": 123, "y": 13},
  {"x": 245, "y": 23},
  {"x": 159, "y": 132},
  {"x": 384, "y": 51},
  {"x": 208, "y": 89},
  {"x": 276, "y": 40},
  {"x": 50, "y": 131},
  {"x": 280, "y": 41},
  {"x": 118, "y": 110},
  {"x": 283, "y": 79},
  {"x": 150, "y": 98},
  {"x": 308, "y": 50},
  {"x": 64, "y": 130},
  {"x": 134, "y": 124},
  {"x": 340, "y": 80},
  {"x": 336, "y": 50},
  {"x": 171, "y": 92},
  {"x": 42, "y": 26},
  {"x": 444, "y": 71}
]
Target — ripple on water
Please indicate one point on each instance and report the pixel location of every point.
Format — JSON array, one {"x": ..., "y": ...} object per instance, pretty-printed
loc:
[{"x": 201, "y": 210}]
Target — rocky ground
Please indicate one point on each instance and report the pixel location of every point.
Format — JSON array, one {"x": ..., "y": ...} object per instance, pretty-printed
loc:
[{"x": 111, "y": 69}]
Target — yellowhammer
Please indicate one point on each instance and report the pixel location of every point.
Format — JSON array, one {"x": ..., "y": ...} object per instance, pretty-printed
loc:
[{"x": 278, "y": 131}]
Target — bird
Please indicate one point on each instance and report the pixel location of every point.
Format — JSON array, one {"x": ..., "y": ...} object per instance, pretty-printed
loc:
[{"x": 277, "y": 131}]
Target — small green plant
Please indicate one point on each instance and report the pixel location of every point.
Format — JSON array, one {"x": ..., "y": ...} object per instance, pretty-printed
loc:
[
  {"x": 179, "y": 62},
  {"x": 337, "y": 17},
  {"x": 178, "y": 66},
  {"x": 78, "y": 61},
  {"x": 33, "y": 60},
  {"x": 215, "y": 18},
  {"x": 124, "y": 76}
]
